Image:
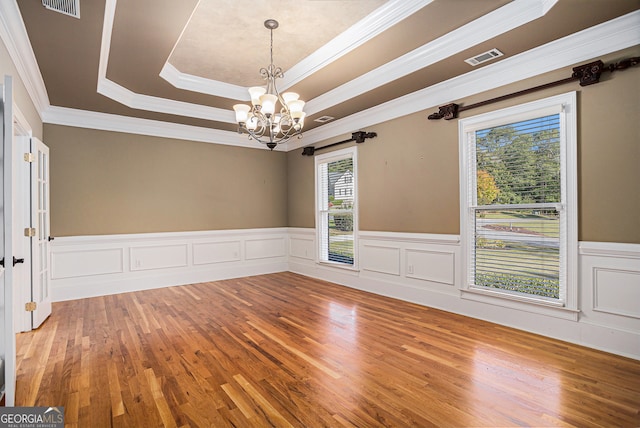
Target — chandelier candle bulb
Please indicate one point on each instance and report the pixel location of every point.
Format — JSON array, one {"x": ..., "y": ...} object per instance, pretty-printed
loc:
[
  {"x": 242, "y": 112},
  {"x": 289, "y": 96},
  {"x": 296, "y": 107},
  {"x": 263, "y": 120},
  {"x": 268, "y": 102},
  {"x": 256, "y": 92}
]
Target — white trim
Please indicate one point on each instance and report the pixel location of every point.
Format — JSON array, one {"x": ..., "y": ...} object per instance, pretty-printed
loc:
[
  {"x": 611, "y": 332},
  {"x": 567, "y": 104},
  {"x": 87, "y": 266},
  {"x": 609, "y": 249},
  {"x": 348, "y": 153},
  {"x": 135, "y": 100},
  {"x": 372, "y": 25},
  {"x": 14, "y": 36},
  {"x": 611, "y": 36},
  {"x": 500, "y": 21},
  {"x": 202, "y": 85},
  {"x": 111, "y": 122}
]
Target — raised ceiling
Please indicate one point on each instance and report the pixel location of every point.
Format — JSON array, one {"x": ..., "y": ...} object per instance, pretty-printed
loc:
[{"x": 187, "y": 62}]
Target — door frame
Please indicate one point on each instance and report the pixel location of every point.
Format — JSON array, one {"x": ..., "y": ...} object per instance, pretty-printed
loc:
[{"x": 21, "y": 219}]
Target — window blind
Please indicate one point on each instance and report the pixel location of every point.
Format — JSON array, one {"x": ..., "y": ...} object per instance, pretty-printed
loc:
[
  {"x": 518, "y": 207},
  {"x": 336, "y": 197}
]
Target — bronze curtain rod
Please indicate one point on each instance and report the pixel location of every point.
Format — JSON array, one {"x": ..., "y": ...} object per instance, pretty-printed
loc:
[{"x": 588, "y": 74}]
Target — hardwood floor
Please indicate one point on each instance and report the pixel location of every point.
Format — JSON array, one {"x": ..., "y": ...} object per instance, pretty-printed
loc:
[{"x": 286, "y": 350}]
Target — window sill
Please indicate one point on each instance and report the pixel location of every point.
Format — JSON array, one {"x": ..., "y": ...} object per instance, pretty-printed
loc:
[
  {"x": 336, "y": 265},
  {"x": 532, "y": 305}
]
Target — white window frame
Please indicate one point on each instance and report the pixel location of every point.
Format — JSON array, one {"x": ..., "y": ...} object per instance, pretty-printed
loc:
[
  {"x": 566, "y": 106},
  {"x": 350, "y": 152}
]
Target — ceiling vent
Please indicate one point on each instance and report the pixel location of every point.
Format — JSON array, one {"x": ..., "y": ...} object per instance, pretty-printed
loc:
[
  {"x": 68, "y": 7},
  {"x": 324, "y": 119},
  {"x": 484, "y": 57}
]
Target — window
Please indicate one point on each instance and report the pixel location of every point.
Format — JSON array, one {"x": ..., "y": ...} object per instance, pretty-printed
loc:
[
  {"x": 518, "y": 202},
  {"x": 336, "y": 202}
]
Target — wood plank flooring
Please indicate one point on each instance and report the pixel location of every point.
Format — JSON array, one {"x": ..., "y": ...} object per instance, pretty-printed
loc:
[{"x": 285, "y": 350}]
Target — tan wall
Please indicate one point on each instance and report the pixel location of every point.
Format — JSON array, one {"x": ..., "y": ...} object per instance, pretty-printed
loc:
[
  {"x": 112, "y": 183},
  {"x": 408, "y": 175},
  {"x": 20, "y": 94}
]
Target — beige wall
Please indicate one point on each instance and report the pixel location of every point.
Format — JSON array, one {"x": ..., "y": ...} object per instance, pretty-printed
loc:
[
  {"x": 20, "y": 94},
  {"x": 408, "y": 175},
  {"x": 115, "y": 183}
]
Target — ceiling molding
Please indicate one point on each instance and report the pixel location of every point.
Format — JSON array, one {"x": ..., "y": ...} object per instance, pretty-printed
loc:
[
  {"x": 500, "y": 21},
  {"x": 15, "y": 38},
  {"x": 364, "y": 30},
  {"x": 118, "y": 93},
  {"x": 367, "y": 28},
  {"x": 610, "y": 36},
  {"x": 132, "y": 99},
  {"x": 189, "y": 82},
  {"x": 512, "y": 15},
  {"x": 155, "y": 128}
]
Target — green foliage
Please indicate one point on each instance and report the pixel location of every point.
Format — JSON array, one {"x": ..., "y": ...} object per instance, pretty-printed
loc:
[
  {"x": 546, "y": 287},
  {"x": 525, "y": 166}
]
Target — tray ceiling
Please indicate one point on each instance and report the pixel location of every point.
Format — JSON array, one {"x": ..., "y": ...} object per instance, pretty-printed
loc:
[{"x": 187, "y": 62}]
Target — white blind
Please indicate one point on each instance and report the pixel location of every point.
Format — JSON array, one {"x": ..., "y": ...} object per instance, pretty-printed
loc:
[
  {"x": 518, "y": 207},
  {"x": 336, "y": 197}
]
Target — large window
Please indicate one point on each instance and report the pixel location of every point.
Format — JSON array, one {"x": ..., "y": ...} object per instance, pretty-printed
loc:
[
  {"x": 336, "y": 202},
  {"x": 519, "y": 202}
]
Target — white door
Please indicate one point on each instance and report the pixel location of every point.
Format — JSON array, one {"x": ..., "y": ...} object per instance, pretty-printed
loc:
[
  {"x": 7, "y": 335},
  {"x": 40, "y": 283}
]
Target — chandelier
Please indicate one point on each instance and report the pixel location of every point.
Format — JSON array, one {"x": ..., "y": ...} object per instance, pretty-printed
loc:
[{"x": 262, "y": 120}]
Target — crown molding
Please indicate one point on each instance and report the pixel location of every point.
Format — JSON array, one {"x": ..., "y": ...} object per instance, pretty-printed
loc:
[
  {"x": 364, "y": 30},
  {"x": 189, "y": 82},
  {"x": 500, "y": 21},
  {"x": 367, "y": 28},
  {"x": 155, "y": 128},
  {"x": 512, "y": 15},
  {"x": 14, "y": 35},
  {"x": 610, "y": 36},
  {"x": 605, "y": 38},
  {"x": 132, "y": 99}
]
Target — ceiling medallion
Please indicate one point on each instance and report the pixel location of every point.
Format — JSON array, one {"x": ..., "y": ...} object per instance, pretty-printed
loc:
[{"x": 262, "y": 121}]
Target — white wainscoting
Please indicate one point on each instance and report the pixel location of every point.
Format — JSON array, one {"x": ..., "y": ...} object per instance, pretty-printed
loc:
[
  {"x": 425, "y": 269},
  {"x": 420, "y": 268},
  {"x": 87, "y": 266}
]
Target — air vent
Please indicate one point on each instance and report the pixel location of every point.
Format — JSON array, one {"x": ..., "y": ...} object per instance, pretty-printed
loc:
[
  {"x": 68, "y": 7},
  {"x": 324, "y": 119},
  {"x": 484, "y": 57}
]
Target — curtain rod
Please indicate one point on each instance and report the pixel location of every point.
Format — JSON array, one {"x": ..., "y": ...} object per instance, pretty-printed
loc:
[
  {"x": 588, "y": 74},
  {"x": 358, "y": 137}
]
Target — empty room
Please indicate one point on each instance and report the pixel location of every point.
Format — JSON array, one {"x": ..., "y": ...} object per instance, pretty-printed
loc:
[{"x": 320, "y": 213}]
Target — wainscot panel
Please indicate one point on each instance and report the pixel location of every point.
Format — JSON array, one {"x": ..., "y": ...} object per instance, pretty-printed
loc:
[
  {"x": 216, "y": 252},
  {"x": 87, "y": 266},
  {"x": 88, "y": 262},
  {"x": 610, "y": 285}
]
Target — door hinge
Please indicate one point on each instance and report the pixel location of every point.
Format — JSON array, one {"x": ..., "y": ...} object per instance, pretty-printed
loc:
[
  {"x": 30, "y": 306},
  {"x": 29, "y": 157},
  {"x": 29, "y": 232}
]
